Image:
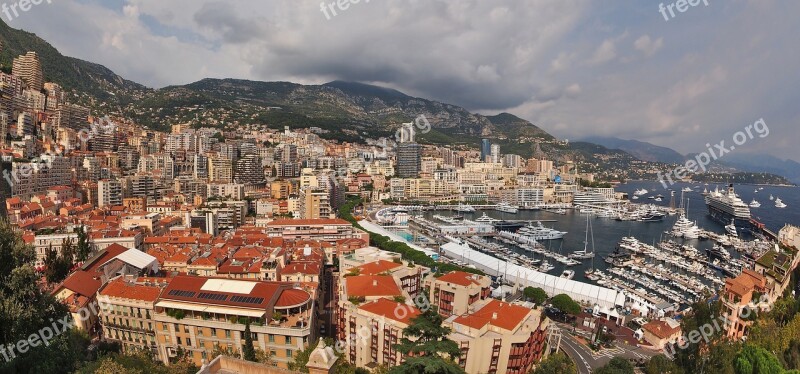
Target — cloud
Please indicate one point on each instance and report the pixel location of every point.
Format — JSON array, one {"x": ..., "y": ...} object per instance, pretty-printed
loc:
[
  {"x": 604, "y": 53},
  {"x": 565, "y": 65},
  {"x": 647, "y": 46}
]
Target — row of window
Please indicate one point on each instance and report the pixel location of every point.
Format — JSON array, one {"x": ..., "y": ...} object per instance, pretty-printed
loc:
[{"x": 288, "y": 340}]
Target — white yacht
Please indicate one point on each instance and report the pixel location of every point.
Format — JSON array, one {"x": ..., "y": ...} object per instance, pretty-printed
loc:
[
  {"x": 539, "y": 232},
  {"x": 635, "y": 197},
  {"x": 463, "y": 208},
  {"x": 485, "y": 219},
  {"x": 779, "y": 203},
  {"x": 755, "y": 204},
  {"x": 641, "y": 192},
  {"x": 545, "y": 266},
  {"x": 506, "y": 208},
  {"x": 657, "y": 199},
  {"x": 568, "y": 274},
  {"x": 731, "y": 229},
  {"x": 686, "y": 189},
  {"x": 685, "y": 228}
]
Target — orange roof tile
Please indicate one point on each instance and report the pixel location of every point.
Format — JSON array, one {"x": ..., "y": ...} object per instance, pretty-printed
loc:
[
  {"x": 497, "y": 313},
  {"x": 391, "y": 309},
  {"x": 377, "y": 267},
  {"x": 119, "y": 288},
  {"x": 372, "y": 285}
]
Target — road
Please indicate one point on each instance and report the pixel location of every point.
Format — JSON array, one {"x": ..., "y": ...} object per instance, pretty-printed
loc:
[{"x": 587, "y": 360}]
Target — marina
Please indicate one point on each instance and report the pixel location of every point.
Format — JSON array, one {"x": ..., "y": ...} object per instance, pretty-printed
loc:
[{"x": 689, "y": 254}]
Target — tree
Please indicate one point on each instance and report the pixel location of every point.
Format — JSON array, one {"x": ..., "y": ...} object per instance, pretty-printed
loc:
[
  {"x": 431, "y": 352},
  {"x": 791, "y": 357},
  {"x": 757, "y": 360},
  {"x": 300, "y": 361},
  {"x": 83, "y": 248},
  {"x": 537, "y": 295},
  {"x": 660, "y": 364},
  {"x": 617, "y": 365},
  {"x": 25, "y": 310},
  {"x": 557, "y": 363},
  {"x": 248, "y": 351},
  {"x": 565, "y": 304}
]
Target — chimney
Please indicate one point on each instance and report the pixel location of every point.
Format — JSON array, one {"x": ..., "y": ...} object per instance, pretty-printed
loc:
[
  {"x": 494, "y": 315},
  {"x": 374, "y": 283}
]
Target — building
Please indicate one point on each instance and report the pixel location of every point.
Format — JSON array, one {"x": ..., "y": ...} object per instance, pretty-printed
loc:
[
  {"x": 314, "y": 204},
  {"x": 737, "y": 296},
  {"x": 109, "y": 193},
  {"x": 199, "y": 315},
  {"x": 455, "y": 292},
  {"x": 486, "y": 149},
  {"x": 499, "y": 337},
  {"x": 29, "y": 69},
  {"x": 409, "y": 160},
  {"x": 249, "y": 170},
  {"x": 662, "y": 333},
  {"x": 126, "y": 313}
]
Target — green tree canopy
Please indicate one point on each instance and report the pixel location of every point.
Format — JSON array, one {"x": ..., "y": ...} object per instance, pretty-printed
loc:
[
  {"x": 431, "y": 351},
  {"x": 557, "y": 363},
  {"x": 537, "y": 295},
  {"x": 757, "y": 360},
  {"x": 617, "y": 365},
  {"x": 248, "y": 350},
  {"x": 565, "y": 303}
]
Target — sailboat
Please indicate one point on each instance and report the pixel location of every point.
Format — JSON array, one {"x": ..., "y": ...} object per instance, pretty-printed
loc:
[
  {"x": 592, "y": 274},
  {"x": 584, "y": 253}
]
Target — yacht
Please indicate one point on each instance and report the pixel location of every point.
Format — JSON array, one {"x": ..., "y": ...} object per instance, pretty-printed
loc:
[
  {"x": 506, "y": 208},
  {"x": 641, "y": 192},
  {"x": 686, "y": 189},
  {"x": 731, "y": 229},
  {"x": 485, "y": 219},
  {"x": 755, "y": 204},
  {"x": 592, "y": 274},
  {"x": 463, "y": 208},
  {"x": 539, "y": 232},
  {"x": 685, "y": 228},
  {"x": 779, "y": 203},
  {"x": 719, "y": 251},
  {"x": 771, "y": 197},
  {"x": 545, "y": 266},
  {"x": 635, "y": 197},
  {"x": 657, "y": 199},
  {"x": 568, "y": 274}
]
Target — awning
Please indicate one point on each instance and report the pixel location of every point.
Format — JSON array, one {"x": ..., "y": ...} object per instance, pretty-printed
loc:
[{"x": 212, "y": 309}]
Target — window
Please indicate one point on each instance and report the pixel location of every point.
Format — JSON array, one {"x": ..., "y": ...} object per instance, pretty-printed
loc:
[
  {"x": 271, "y": 338},
  {"x": 179, "y": 340},
  {"x": 289, "y": 341},
  {"x": 213, "y": 332},
  {"x": 228, "y": 334},
  {"x": 188, "y": 342},
  {"x": 289, "y": 353}
]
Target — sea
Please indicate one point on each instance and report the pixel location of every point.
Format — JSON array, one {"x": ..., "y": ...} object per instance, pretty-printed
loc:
[{"x": 607, "y": 232}]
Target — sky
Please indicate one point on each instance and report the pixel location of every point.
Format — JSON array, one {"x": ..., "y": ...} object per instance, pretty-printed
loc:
[{"x": 572, "y": 67}]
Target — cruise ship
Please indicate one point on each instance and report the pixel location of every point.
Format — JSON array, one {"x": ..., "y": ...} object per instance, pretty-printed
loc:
[{"x": 725, "y": 207}]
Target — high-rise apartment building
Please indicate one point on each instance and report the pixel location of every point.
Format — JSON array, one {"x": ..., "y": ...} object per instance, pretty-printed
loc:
[
  {"x": 409, "y": 160},
  {"x": 486, "y": 149},
  {"x": 29, "y": 68},
  {"x": 109, "y": 193}
]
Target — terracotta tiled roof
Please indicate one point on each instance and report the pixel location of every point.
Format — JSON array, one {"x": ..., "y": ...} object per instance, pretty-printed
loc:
[
  {"x": 661, "y": 329},
  {"x": 460, "y": 278},
  {"x": 372, "y": 285},
  {"x": 391, "y": 309},
  {"x": 292, "y": 297},
  {"x": 377, "y": 267},
  {"x": 297, "y": 222},
  {"x": 497, "y": 313},
  {"x": 119, "y": 288}
]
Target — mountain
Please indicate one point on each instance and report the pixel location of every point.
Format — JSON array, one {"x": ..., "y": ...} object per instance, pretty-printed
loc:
[
  {"x": 348, "y": 111},
  {"x": 763, "y": 163},
  {"x": 91, "y": 82},
  {"x": 641, "y": 150}
]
